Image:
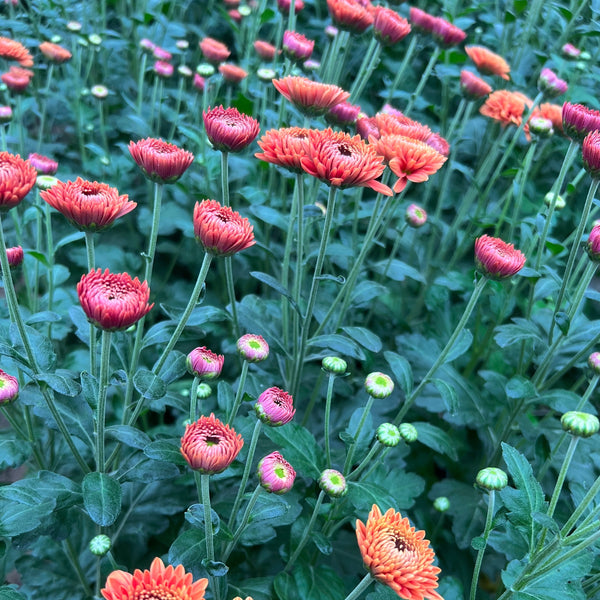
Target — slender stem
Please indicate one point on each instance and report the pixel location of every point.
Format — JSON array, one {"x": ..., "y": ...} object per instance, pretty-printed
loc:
[
  {"x": 375, "y": 448},
  {"x": 50, "y": 258},
  {"x": 89, "y": 246},
  {"x": 363, "y": 418},
  {"x": 13, "y": 423},
  {"x": 231, "y": 294},
  {"x": 365, "y": 582},
  {"x": 102, "y": 391},
  {"x": 225, "y": 177},
  {"x": 285, "y": 267},
  {"x": 456, "y": 118},
  {"x": 486, "y": 533},
  {"x": 561, "y": 476},
  {"x": 366, "y": 69},
  {"x": 587, "y": 499},
  {"x": 424, "y": 77},
  {"x": 74, "y": 560},
  {"x": 245, "y": 518},
  {"x": 327, "y": 418},
  {"x": 194, "y": 412},
  {"x": 177, "y": 108},
  {"x": 306, "y": 532},
  {"x": 405, "y": 62},
  {"x": 444, "y": 353},
  {"x": 140, "y": 86},
  {"x": 297, "y": 290},
  {"x": 239, "y": 393},
  {"x": 208, "y": 528}
]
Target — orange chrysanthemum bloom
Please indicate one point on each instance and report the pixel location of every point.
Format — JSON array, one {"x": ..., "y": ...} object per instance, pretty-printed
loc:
[
  {"x": 17, "y": 177},
  {"x": 397, "y": 555},
  {"x": 350, "y": 15},
  {"x": 506, "y": 107},
  {"x": 13, "y": 50},
  {"x": 284, "y": 147},
  {"x": 488, "y": 62},
  {"x": 232, "y": 73},
  {"x": 214, "y": 51},
  {"x": 343, "y": 161},
  {"x": 54, "y": 52},
  {"x": 310, "y": 97},
  {"x": 159, "y": 582},
  {"x": 409, "y": 159}
]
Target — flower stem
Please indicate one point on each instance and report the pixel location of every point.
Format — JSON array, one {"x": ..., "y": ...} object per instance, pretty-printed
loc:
[
  {"x": 327, "y": 418},
  {"x": 239, "y": 393},
  {"x": 481, "y": 551},
  {"x": 140, "y": 86},
  {"x": 365, "y": 582},
  {"x": 245, "y": 518},
  {"x": 194, "y": 412},
  {"x": 587, "y": 499},
  {"x": 306, "y": 532},
  {"x": 424, "y": 77},
  {"x": 102, "y": 391},
  {"x": 299, "y": 256},
  {"x": 405, "y": 62},
  {"x": 366, "y": 69},
  {"x": 89, "y": 246},
  {"x": 205, "y": 497},
  {"x": 375, "y": 448},
  {"x": 363, "y": 418}
]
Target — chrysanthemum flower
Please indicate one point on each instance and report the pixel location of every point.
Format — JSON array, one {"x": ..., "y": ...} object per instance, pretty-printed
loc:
[
  {"x": 253, "y": 347},
  {"x": 496, "y": 259},
  {"x": 275, "y": 407},
  {"x": 54, "y": 52},
  {"x": 42, "y": 164},
  {"x": 551, "y": 84},
  {"x": 310, "y": 97},
  {"x": 221, "y": 230},
  {"x": 163, "y": 68},
  {"x": 388, "y": 26},
  {"x": 473, "y": 87},
  {"x": 113, "y": 301},
  {"x": 161, "y": 54},
  {"x": 275, "y": 474},
  {"x": 296, "y": 46},
  {"x": 421, "y": 20},
  {"x": 397, "y": 555},
  {"x": 446, "y": 33},
  {"x": 160, "y": 161},
  {"x": 590, "y": 151},
  {"x": 17, "y": 177},
  {"x": 235, "y": 15},
  {"x": 488, "y": 62},
  {"x": 579, "y": 120},
  {"x": 285, "y": 5},
  {"x": 89, "y": 205},
  {"x": 284, "y": 147},
  {"x": 506, "y": 107},
  {"x": 214, "y": 51},
  {"x": 265, "y": 50},
  {"x": 147, "y": 45},
  {"x": 17, "y": 79},
  {"x": 343, "y": 113},
  {"x": 228, "y": 129},
  {"x": 437, "y": 142},
  {"x": 13, "y": 50},
  {"x": 349, "y": 15},
  {"x": 210, "y": 446},
  {"x": 9, "y": 388},
  {"x": 570, "y": 51},
  {"x": 232, "y": 73},
  {"x": 167, "y": 583},
  {"x": 204, "y": 363},
  {"x": 199, "y": 82},
  {"x": 409, "y": 159},
  {"x": 392, "y": 123},
  {"x": 593, "y": 249},
  {"x": 344, "y": 161},
  {"x": 15, "y": 256}
]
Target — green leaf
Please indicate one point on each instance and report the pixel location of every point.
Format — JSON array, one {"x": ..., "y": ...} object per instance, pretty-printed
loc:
[
  {"x": 478, "y": 543},
  {"x": 399, "y": 271},
  {"x": 69, "y": 239},
  {"x": 563, "y": 322},
  {"x": 448, "y": 394},
  {"x": 17, "y": 518},
  {"x": 309, "y": 583},
  {"x": 89, "y": 387},
  {"x": 436, "y": 439},
  {"x": 60, "y": 383},
  {"x": 520, "y": 387},
  {"x": 130, "y": 436},
  {"x": 299, "y": 448},
  {"x": 13, "y": 453},
  {"x": 401, "y": 369},
  {"x": 149, "y": 385},
  {"x": 101, "y": 498},
  {"x": 462, "y": 344},
  {"x": 269, "y": 507},
  {"x": 273, "y": 283},
  {"x": 215, "y": 568},
  {"x": 8, "y": 593},
  {"x": 194, "y": 515},
  {"x": 167, "y": 450},
  {"x": 189, "y": 549},
  {"x": 363, "y": 495},
  {"x": 364, "y": 337},
  {"x": 339, "y": 344}
]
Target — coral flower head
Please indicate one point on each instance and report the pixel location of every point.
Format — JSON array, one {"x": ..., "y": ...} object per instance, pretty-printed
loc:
[
  {"x": 473, "y": 87},
  {"x": 54, "y": 52},
  {"x": 265, "y": 50},
  {"x": 214, "y": 51},
  {"x": 275, "y": 407},
  {"x": 210, "y": 446},
  {"x": 590, "y": 150},
  {"x": 388, "y": 26},
  {"x": 159, "y": 582},
  {"x": 550, "y": 83},
  {"x": 17, "y": 79},
  {"x": 552, "y": 112},
  {"x": 89, "y": 205},
  {"x": 284, "y": 147},
  {"x": 15, "y": 256},
  {"x": 160, "y": 161},
  {"x": 496, "y": 259},
  {"x": 232, "y": 73},
  {"x": 228, "y": 129},
  {"x": 350, "y": 15},
  {"x": 506, "y": 106},
  {"x": 113, "y": 301},
  {"x": 421, "y": 20},
  {"x": 204, "y": 363},
  {"x": 310, "y": 97},
  {"x": 579, "y": 120},
  {"x": 13, "y": 50},
  {"x": 447, "y": 34},
  {"x": 17, "y": 177},
  {"x": 42, "y": 164},
  {"x": 296, "y": 46},
  {"x": 397, "y": 555},
  {"x": 488, "y": 62},
  {"x": 344, "y": 161},
  {"x": 221, "y": 230}
]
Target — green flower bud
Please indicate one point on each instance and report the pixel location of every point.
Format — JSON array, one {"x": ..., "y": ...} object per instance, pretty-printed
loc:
[
  {"x": 441, "y": 504},
  {"x": 560, "y": 201},
  {"x": 204, "y": 391},
  {"x": 388, "y": 435},
  {"x": 492, "y": 478},
  {"x": 205, "y": 69},
  {"x": 45, "y": 182},
  {"x": 333, "y": 483},
  {"x": 580, "y": 424},
  {"x": 335, "y": 365},
  {"x": 379, "y": 385},
  {"x": 266, "y": 74},
  {"x": 100, "y": 545},
  {"x": 408, "y": 432},
  {"x": 94, "y": 39},
  {"x": 245, "y": 11}
]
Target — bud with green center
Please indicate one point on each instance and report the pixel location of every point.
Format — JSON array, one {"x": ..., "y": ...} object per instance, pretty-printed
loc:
[
  {"x": 379, "y": 385},
  {"x": 334, "y": 365},
  {"x": 266, "y": 74},
  {"x": 94, "y": 39},
  {"x": 333, "y": 483},
  {"x": 204, "y": 391},
  {"x": 100, "y": 545},
  {"x": 205, "y": 69},
  {"x": 580, "y": 424},
  {"x": 492, "y": 478},
  {"x": 594, "y": 362},
  {"x": 45, "y": 182},
  {"x": 388, "y": 435},
  {"x": 408, "y": 432},
  {"x": 245, "y": 11},
  {"x": 441, "y": 504}
]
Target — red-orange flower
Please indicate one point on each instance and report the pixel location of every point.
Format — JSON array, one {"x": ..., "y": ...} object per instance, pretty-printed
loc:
[
  {"x": 113, "y": 301},
  {"x": 232, "y": 73},
  {"x": 89, "y": 205},
  {"x": 496, "y": 259},
  {"x": 388, "y": 26},
  {"x": 221, "y": 230},
  {"x": 159, "y": 582},
  {"x": 228, "y": 129},
  {"x": 214, "y": 51},
  {"x": 397, "y": 555},
  {"x": 349, "y": 15},
  {"x": 409, "y": 159},
  {"x": 17, "y": 177},
  {"x": 488, "y": 62},
  {"x": 265, "y": 50},
  {"x": 54, "y": 52},
  {"x": 343, "y": 161},
  {"x": 284, "y": 147},
  {"x": 421, "y": 20},
  {"x": 17, "y": 79},
  {"x": 210, "y": 446},
  {"x": 473, "y": 87},
  {"x": 506, "y": 107},
  {"x": 13, "y": 50},
  {"x": 308, "y": 96},
  {"x": 160, "y": 161}
]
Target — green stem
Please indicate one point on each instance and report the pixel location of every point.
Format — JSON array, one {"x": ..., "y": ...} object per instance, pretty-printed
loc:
[
  {"x": 298, "y": 274},
  {"x": 285, "y": 268},
  {"x": 375, "y": 448},
  {"x": 205, "y": 492},
  {"x": 50, "y": 258},
  {"x": 194, "y": 412},
  {"x": 365, "y": 582},
  {"x": 140, "y": 85},
  {"x": 91, "y": 260},
  {"x": 177, "y": 108},
  {"x": 327, "y": 418},
  {"x": 245, "y": 518},
  {"x": 74, "y": 560},
  {"x": 231, "y": 294},
  {"x": 587, "y": 500},
  {"x": 366, "y": 69},
  {"x": 424, "y": 77},
  {"x": 561, "y": 476},
  {"x": 405, "y": 62},
  {"x": 13, "y": 423},
  {"x": 45, "y": 99},
  {"x": 306, "y": 532},
  {"x": 239, "y": 393},
  {"x": 480, "y": 553},
  {"x": 102, "y": 391},
  {"x": 444, "y": 353},
  {"x": 361, "y": 423}
]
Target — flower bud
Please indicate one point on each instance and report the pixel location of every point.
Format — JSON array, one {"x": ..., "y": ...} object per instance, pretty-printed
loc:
[
  {"x": 415, "y": 216},
  {"x": 99, "y": 91},
  {"x": 388, "y": 434},
  {"x": 275, "y": 407},
  {"x": 570, "y": 51},
  {"x": 275, "y": 474},
  {"x": 204, "y": 364},
  {"x": 590, "y": 151},
  {"x": 334, "y": 365},
  {"x": 594, "y": 362},
  {"x": 592, "y": 245},
  {"x": 541, "y": 127},
  {"x": 100, "y": 545},
  {"x": 266, "y": 74},
  {"x": 333, "y": 483},
  {"x": 74, "y": 26},
  {"x": 204, "y": 391},
  {"x": 94, "y": 39},
  {"x": 496, "y": 259},
  {"x": 253, "y": 348},
  {"x": 42, "y": 164},
  {"x": 182, "y": 44},
  {"x": 9, "y": 388},
  {"x": 15, "y": 256},
  {"x": 296, "y": 46},
  {"x": 5, "y": 114},
  {"x": 580, "y": 424},
  {"x": 441, "y": 504},
  {"x": 551, "y": 84},
  {"x": 205, "y": 69},
  {"x": 379, "y": 385},
  {"x": 45, "y": 182},
  {"x": 560, "y": 201},
  {"x": 185, "y": 71},
  {"x": 408, "y": 432},
  {"x": 492, "y": 478}
]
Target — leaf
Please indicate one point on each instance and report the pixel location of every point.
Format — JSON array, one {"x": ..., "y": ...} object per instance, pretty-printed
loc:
[
  {"x": 461, "y": 345},
  {"x": 130, "y": 436},
  {"x": 339, "y": 344},
  {"x": 189, "y": 549},
  {"x": 13, "y": 453},
  {"x": 520, "y": 387},
  {"x": 521, "y": 330},
  {"x": 309, "y": 583},
  {"x": 363, "y": 495},
  {"x": 215, "y": 568},
  {"x": 299, "y": 448},
  {"x": 60, "y": 383},
  {"x": 436, "y": 439},
  {"x": 167, "y": 450},
  {"x": 101, "y": 498},
  {"x": 89, "y": 387},
  {"x": 194, "y": 515},
  {"x": 364, "y": 337},
  {"x": 448, "y": 394},
  {"x": 8, "y": 593},
  {"x": 399, "y": 271},
  {"x": 274, "y": 284},
  {"x": 149, "y": 385},
  {"x": 401, "y": 369},
  {"x": 17, "y": 518}
]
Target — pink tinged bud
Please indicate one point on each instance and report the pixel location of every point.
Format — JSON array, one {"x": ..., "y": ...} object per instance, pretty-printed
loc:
[
  {"x": 331, "y": 31},
  {"x": 161, "y": 54},
  {"x": 15, "y": 256},
  {"x": 9, "y": 387},
  {"x": 379, "y": 385},
  {"x": 199, "y": 82},
  {"x": 147, "y": 45},
  {"x": 42, "y": 164},
  {"x": 285, "y": 5},
  {"x": 296, "y": 46},
  {"x": 496, "y": 259},
  {"x": 333, "y": 483},
  {"x": 265, "y": 50},
  {"x": 163, "y": 69},
  {"x": 551, "y": 84},
  {"x": 343, "y": 113},
  {"x": 275, "y": 407},
  {"x": 473, "y": 87},
  {"x": 182, "y": 44},
  {"x": 228, "y": 129},
  {"x": 100, "y": 92},
  {"x": 593, "y": 244},
  {"x": 204, "y": 364},
  {"x": 421, "y": 20},
  {"x": 253, "y": 348},
  {"x": 541, "y": 127},
  {"x": 579, "y": 120},
  {"x": 447, "y": 34},
  {"x": 311, "y": 65},
  {"x": 366, "y": 127},
  {"x": 570, "y": 51},
  {"x": 235, "y": 15},
  {"x": 594, "y": 362},
  {"x": 416, "y": 216},
  {"x": 590, "y": 150},
  {"x": 160, "y": 161},
  {"x": 5, "y": 114},
  {"x": 438, "y": 143},
  {"x": 275, "y": 474}
]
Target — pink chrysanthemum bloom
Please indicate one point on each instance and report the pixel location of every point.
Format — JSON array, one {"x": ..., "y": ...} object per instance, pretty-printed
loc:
[
  {"x": 579, "y": 120},
  {"x": 275, "y": 407},
  {"x": 593, "y": 248},
  {"x": 210, "y": 446},
  {"x": 285, "y": 5},
  {"x": 147, "y": 45},
  {"x": 6, "y": 114},
  {"x": 113, "y": 301},
  {"x": 253, "y": 348},
  {"x": 296, "y": 46},
  {"x": 9, "y": 388},
  {"x": 397, "y": 555},
  {"x": 275, "y": 474},
  {"x": 447, "y": 34},
  {"x": 13, "y": 50},
  {"x": 15, "y": 256},
  {"x": 343, "y": 113},
  {"x": 496, "y": 259},
  {"x": 163, "y": 69},
  {"x": 89, "y": 205},
  {"x": 159, "y": 582},
  {"x": 473, "y": 87},
  {"x": 215, "y": 52},
  {"x": 488, "y": 62},
  {"x": 221, "y": 230},
  {"x": 590, "y": 151},
  {"x": 265, "y": 50},
  {"x": 350, "y": 15},
  {"x": 199, "y": 82},
  {"x": 570, "y": 51},
  {"x": 388, "y": 26},
  {"x": 228, "y": 129},
  {"x": 232, "y": 73},
  {"x": 235, "y": 15},
  {"x": 161, "y": 54},
  {"x": 437, "y": 142},
  {"x": 344, "y": 161},
  {"x": 551, "y": 84},
  {"x": 204, "y": 363},
  {"x": 17, "y": 177},
  {"x": 54, "y": 52},
  {"x": 160, "y": 161},
  {"x": 310, "y": 97},
  {"x": 42, "y": 164},
  {"x": 421, "y": 20},
  {"x": 17, "y": 79}
]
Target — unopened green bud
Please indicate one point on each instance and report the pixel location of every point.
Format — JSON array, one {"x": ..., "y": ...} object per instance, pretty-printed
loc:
[
  {"x": 266, "y": 74},
  {"x": 245, "y": 11},
  {"x": 204, "y": 391},
  {"x": 585, "y": 55},
  {"x": 95, "y": 39},
  {"x": 335, "y": 365},
  {"x": 100, "y": 545},
  {"x": 408, "y": 432},
  {"x": 205, "y": 69},
  {"x": 45, "y": 182},
  {"x": 492, "y": 478},
  {"x": 580, "y": 424},
  {"x": 560, "y": 201},
  {"x": 379, "y": 385},
  {"x": 388, "y": 435},
  {"x": 441, "y": 504},
  {"x": 333, "y": 483}
]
